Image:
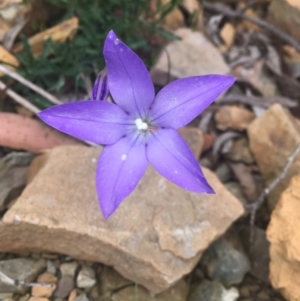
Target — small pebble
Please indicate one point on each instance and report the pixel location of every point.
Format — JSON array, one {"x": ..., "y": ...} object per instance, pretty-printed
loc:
[
  {"x": 225, "y": 263},
  {"x": 64, "y": 286},
  {"x": 231, "y": 294},
  {"x": 44, "y": 291},
  {"x": 69, "y": 268},
  {"x": 72, "y": 295},
  {"x": 205, "y": 162},
  {"x": 224, "y": 173},
  {"x": 51, "y": 267},
  {"x": 86, "y": 277},
  {"x": 213, "y": 291}
]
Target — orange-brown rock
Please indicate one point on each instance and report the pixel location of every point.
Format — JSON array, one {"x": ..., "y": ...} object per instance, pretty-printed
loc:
[
  {"x": 284, "y": 236},
  {"x": 273, "y": 137},
  {"x": 157, "y": 235},
  {"x": 233, "y": 118},
  {"x": 47, "y": 287}
]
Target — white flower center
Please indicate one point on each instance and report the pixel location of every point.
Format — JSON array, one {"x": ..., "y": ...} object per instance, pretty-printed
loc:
[{"x": 141, "y": 125}]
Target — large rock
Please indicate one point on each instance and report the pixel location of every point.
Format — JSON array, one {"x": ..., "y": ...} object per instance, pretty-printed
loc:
[
  {"x": 156, "y": 236},
  {"x": 194, "y": 54},
  {"x": 284, "y": 236},
  {"x": 273, "y": 138}
]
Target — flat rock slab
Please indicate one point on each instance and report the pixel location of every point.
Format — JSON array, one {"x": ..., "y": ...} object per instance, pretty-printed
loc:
[{"x": 156, "y": 236}]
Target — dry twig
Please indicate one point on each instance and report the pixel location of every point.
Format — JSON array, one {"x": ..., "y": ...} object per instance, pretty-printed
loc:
[
  {"x": 29, "y": 84},
  {"x": 17, "y": 282},
  {"x": 19, "y": 99},
  {"x": 225, "y": 10},
  {"x": 221, "y": 140}
]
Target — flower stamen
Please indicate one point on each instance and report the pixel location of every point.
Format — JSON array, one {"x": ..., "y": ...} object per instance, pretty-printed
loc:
[{"x": 141, "y": 125}]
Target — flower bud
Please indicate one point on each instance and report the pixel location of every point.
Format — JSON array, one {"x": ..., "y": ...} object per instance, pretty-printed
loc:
[{"x": 100, "y": 89}]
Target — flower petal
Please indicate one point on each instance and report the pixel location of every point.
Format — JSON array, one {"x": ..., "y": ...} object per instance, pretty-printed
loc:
[
  {"x": 129, "y": 81},
  {"x": 172, "y": 158},
  {"x": 182, "y": 100},
  {"x": 96, "y": 121},
  {"x": 120, "y": 167}
]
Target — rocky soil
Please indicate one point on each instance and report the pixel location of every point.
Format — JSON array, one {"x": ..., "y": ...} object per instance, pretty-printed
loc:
[{"x": 164, "y": 243}]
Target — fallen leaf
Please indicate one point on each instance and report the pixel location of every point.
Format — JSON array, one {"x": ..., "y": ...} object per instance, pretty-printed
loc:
[
  {"x": 7, "y": 58},
  {"x": 59, "y": 33}
]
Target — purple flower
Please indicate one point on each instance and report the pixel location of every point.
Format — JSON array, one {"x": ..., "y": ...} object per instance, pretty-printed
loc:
[{"x": 140, "y": 128}]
